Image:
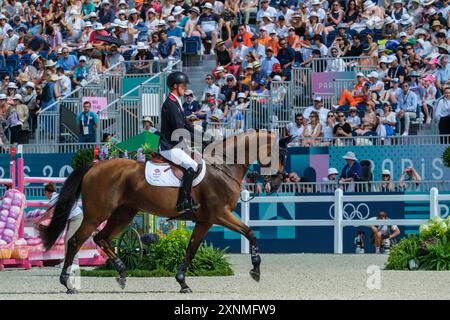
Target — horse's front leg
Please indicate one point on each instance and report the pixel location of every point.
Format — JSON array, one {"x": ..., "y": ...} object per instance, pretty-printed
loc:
[{"x": 200, "y": 230}]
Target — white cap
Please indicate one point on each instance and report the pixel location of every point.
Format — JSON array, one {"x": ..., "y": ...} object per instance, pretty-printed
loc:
[
  {"x": 171, "y": 18},
  {"x": 151, "y": 10},
  {"x": 317, "y": 98},
  {"x": 98, "y": 27},
  {"x": 332, "y": 171},
  {"x": 241, "y": 95},
  {"x": 131, "y": 11},
  {"x": 373, "y": 74},
  {"x": 278, "y": 78},
  {"x": 83, "y": 58},
  {"x": 360, "y": 74},
  {"x": 188, "y": 92},
  {"x": 386, "y": 172},
  {"x": 383, "y": 59},
  {"x": 266, "y": 15},
  {"x": 403, "y": 34},
  {"x": 121, "y": 11},
  {"x": 12, "y": 85},
  {"x": 220, "y": 69},
  {"x": 208, "y": 6},
  {"x": 30, "y": 84},
  {"x": 3, "y": 96},
  {"x": 17, "y": 97},
  {"x": 88, "y": 24}
]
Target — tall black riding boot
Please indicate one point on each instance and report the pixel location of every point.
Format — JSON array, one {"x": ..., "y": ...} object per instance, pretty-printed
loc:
[{"x": 185, "y": 203}]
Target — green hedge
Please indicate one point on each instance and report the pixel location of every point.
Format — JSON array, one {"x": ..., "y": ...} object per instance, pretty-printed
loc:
[
  {"x": 430, "y": 250},
  {"x": 164, "y": 258},
  {"x": 446, "y": 157}
]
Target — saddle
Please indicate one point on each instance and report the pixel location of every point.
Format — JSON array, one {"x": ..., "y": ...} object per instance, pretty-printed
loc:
[{"x": 176, "y": 169}]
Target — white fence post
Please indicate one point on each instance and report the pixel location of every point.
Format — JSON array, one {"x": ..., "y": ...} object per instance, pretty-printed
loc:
[
  {"x": 245, "y": 218},
  {"x": 338, "y": 216},
  {"x": 434, "y": 203}
]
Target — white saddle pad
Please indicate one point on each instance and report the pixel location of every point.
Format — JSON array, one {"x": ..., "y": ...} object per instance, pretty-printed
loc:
[{"x": 161, "y": 175}]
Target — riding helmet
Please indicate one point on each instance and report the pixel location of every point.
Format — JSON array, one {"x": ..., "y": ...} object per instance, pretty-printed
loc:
[{"x": 177, "y": 77}]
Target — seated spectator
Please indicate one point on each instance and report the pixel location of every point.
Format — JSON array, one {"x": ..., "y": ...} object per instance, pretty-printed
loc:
[
  {"x": 241, "y": 87},
  {"x": 351, "y": 172},
  {"x": 329, "y": 128},
  {"x": 114, "y": 58},
  {"x": 167, "y": 48},
  {"x": 229, "y": 89},
  {"x": 342, "y": 128},
  {"x": 257, "y": 76},
  {"x": 64, "y": 83},
  {"x": 224, "y": 58},
  {"x": 335, "y": 64},
  {"x": 190, "y": 105},
  {"x": 388, "y": 121},
  {"x": 409, "y": 178},
  {"x": 406, "y": 107},
  {"x": 369, "y": 122},
  {"x": 256, "y": 48},
  {"x": 395, "y": 71},
  {"x": 330, "y": 182},
  {"x": 268, "y": 62},
  {"x": 286, "y": 56},
  {"x": 208, "y": 24},
  {"x": 357, "y": 97},
  {"x": 313, "y": 131},
  {"x": 239, "y": 51},
  {"x": 375, "y": 85},
  {"x": 99, "y": 30},
  {"x": 143, "y": 59},
  {"x": 80, "y": 74},
  {"x": 319, "y": 109},
  {"x": 296, "y": 128},
  {"x": 147, "y": 125},
  {"x": 50, "y": 93},
  {"x": 391, "y": 95},
  {"x": 353, "y": 119},
  {"x": 10, "y": 42},
  {"x": 95, "y": 67},
  {"x": 383, "y": 233},
  {"x": 386, "y": 185},
  {"x": 210, "y": 87}
]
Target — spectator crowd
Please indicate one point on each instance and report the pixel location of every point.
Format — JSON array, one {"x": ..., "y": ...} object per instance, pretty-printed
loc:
[{"x": 48, "y": 48}]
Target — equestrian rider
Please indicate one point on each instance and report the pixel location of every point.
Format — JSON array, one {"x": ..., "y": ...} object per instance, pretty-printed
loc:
[{"x": 173, "y": 118}]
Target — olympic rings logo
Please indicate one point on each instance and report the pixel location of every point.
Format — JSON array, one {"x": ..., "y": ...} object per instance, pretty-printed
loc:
[{"x": 361, "y": 211}]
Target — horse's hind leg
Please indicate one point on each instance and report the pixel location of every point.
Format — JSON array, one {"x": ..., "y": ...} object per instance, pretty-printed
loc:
[
  {"x": 230, "y": 221},
  {"x": 73, "y": 246},
  {"x": 116, "y": 223},
  {"x": 200, "y": 230}
]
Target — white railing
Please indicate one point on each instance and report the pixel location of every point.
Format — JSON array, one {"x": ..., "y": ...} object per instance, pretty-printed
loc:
[
  {"x": 355, "y": 186},
  {"x": 338, "y": 221}
]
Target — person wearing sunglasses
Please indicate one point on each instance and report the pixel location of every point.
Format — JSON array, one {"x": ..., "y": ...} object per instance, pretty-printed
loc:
[
  {"x": 210, "y": 87},
  {"x": 342, "y": 127}
]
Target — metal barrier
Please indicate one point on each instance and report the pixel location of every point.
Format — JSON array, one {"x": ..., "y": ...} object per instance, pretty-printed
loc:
[
  {"x": 123, "y": 116},
  {"x": 374, "y": 140},
  {"x": 339, "y": 220},
  {"x": 340, "y": 64},
  {"x": 357, "y": 186}
]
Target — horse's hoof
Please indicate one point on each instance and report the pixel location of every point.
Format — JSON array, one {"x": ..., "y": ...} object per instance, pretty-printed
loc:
[
  {"x": 255, "y": 275},
  {"x": 122, "y": 281},
  {"x": 72, "y": 291},
  {"x": 186, "y": 290}
]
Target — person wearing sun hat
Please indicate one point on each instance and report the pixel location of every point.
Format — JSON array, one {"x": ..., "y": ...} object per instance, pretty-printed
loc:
[
  {"x": 106, "y": 13},
  {"x": 99, "y": 30},
  {"x": 330, "y": 182},
  {"x": 351, "y": 172},
  {"x": 399, "y": 11}
]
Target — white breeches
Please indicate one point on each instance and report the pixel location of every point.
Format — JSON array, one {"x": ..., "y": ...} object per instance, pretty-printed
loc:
[{"x": 179, "y": 157}]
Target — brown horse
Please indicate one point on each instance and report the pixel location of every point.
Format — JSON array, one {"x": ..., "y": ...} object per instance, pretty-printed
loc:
[{"x": 115, "y": 190}]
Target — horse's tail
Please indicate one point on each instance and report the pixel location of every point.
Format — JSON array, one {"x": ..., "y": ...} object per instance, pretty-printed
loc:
[{"x": 69, "y": 195}]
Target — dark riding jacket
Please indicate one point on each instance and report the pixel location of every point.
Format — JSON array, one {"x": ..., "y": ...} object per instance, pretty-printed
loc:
[{"x": 172, "y": 118}]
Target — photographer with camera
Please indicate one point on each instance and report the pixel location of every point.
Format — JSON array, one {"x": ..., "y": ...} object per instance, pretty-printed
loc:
[
  {"x": 383, "y": 236},
  {"x": 409, "y": 178}
]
